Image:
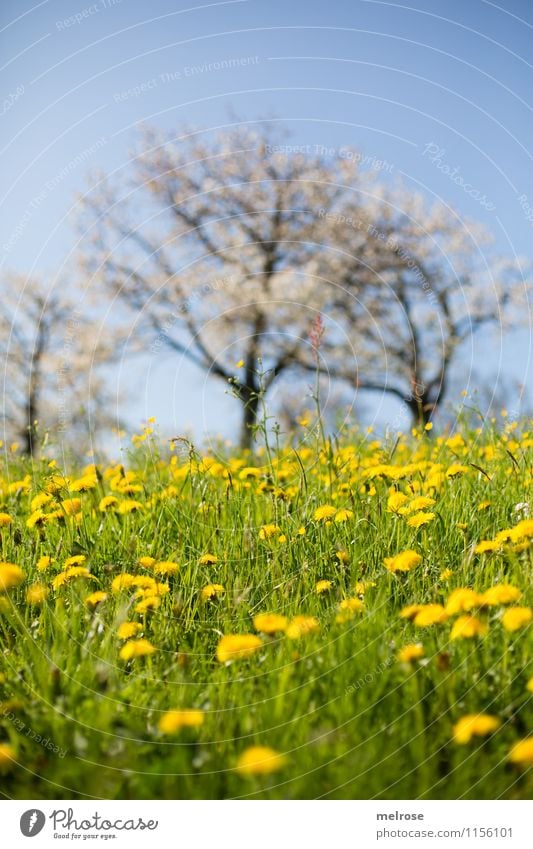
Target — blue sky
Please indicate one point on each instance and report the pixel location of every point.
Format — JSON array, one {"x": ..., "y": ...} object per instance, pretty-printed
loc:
[{"x": 385, "y": 77}]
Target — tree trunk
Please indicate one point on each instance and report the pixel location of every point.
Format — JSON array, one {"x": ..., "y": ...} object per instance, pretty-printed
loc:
[
  {"x": 249, "y": 420},
  {"x": 421, "y": 409}
]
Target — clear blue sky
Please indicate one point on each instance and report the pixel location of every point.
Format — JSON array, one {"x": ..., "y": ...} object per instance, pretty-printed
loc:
[{"x": 385, "y": 77}]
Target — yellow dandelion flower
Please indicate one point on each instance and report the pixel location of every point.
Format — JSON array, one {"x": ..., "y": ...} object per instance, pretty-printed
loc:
[
  {"x": 237, "y": 647},
  {"x": 515, "y": 618},
  {"x": 127, "y": 630},
  {"x": 68, "y": 574},
  {"x": 36, "y": 594},
  {"x": 430, "y": 614},
  {"x": 445, "y": 575},
  {"x": 486, "y": 546},
  {"x": 260, "y": 760},
  {"x": 395, "y": 501},
  {"x": 165, "y": 567},
  {"x": 5, "y": 520},
  {"x": 455, "y": 470},
  {"x": 300, "y": 626},
  {"x": 522, "y": 752},
  {"x": 107, "y": 502},
  {"x": 325, "y": 512},
  {"x": 342, "y": 556},
  {"x": 44, "y": 563},
  {"x": 483, "y": 505},
  {"x": 174, "y": 720},
  {"x": 151, "y": 602},
  {"x": 411, "y": 652},
  {"x": 418, "y": 520},
  {"x": 136, "y": 648},
  {"x": 208, "y": 559},
  {"x": 71, "y": 506},
  {"x": 500, "y": 594},
  {"x": 268, "y": 531},
  {"x": 211, "y": 591},
  {"x": 7, "y": 757},
  {"x": 323, "y": 586},
  {"x": 468, "y": 627},
  {"x": 462, "y": 600},
  {"x": 129, "y": 505},
  {"x": 270, "y": 623},
  {"x": 10, "y": 576},
  {"x": 96, "y": 598},
  {"x": 474, "y": 725},
  {"x": 75, "y": 560},
  {"x": 410, "y": 611},
  {"x": 420, "y": 503},
  {"x": 343, "y": 515},
  {"x": 403, "y": 562},
  {"x": 123, "y": 582}
]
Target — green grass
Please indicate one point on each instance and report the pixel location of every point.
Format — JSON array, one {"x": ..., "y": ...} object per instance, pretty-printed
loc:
[{"x": 351, "y": 720}]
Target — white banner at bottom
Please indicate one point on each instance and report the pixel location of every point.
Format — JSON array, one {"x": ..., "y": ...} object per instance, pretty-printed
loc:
[{"x": 263, "y": 825}]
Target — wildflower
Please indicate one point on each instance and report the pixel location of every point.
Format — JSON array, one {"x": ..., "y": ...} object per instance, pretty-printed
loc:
[
  {"x": 40, "y": 500},
  {"x": 474, "y": 725},
  {"x": 44, "y": 563},
  {"x": 123, "y": 582},
  {"x": 7, "y": 757},
  {"x": 500, "y": 594},
  {"x": 430, "y": 614},
  {"x": 36, "y": 594},
  {"x": 10, "y": 576},
  {"x": 343, "y": 515},
  {"x": 300, "y": 626},
  {"x": 174, "y": 720},
  {"x": 461, "y": 600},
  {"x": 146, "y": 562},
  {"x": 522, "y": 752},
  {"x": 413, "y": 651},
  {"x": 268, "y": 531},
  {"x": 76, "y": 560},
  {"x": 270, "y": 623},
  {"x": 323, "y": 586},
  {"x": 208, "y": 559},
  {"x": 260, "y": 760},
  {"x": 445, "y": 575},
  {"x": 107, "y": 502},
  {"x": 420, "y": 519},
  {"x": 5, "y": 520},
  {"x": 420, "y": 503},
  {"x": 342, "y": 556},
  {"x": 486, "y": 546},
  {"x": 403, "y": 562},
  {"x": 468, "y": 627},
  {"x": 395, "y": 501},
  {"x": 301, "y": 532},
  {"x": 71, "y": 506},
  {"x": 456, "y": 470},
  {"x": 353, "y": 605},
  {"x": 36, "y": 518},
  {"x": 483, "y": 505},
  {"x": 237, "y": 647},
  {"x": 152, "y": 602},
  {"x": 211, "y": 591},
  {"x": 325, "y": 512},
  {"x": 127, "y": 630},
  {"x": 239, "y": 364},
  {"x": 96, "y": 598},
  {"x": 515, "y": 618},
  {"x": 129, "y": 505},
  {"x": 67, "y": 575},
  {"x": 165, "y": 567},
  {"x": 411, "y": 611},
  {"x": 136, "y": 648}
]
